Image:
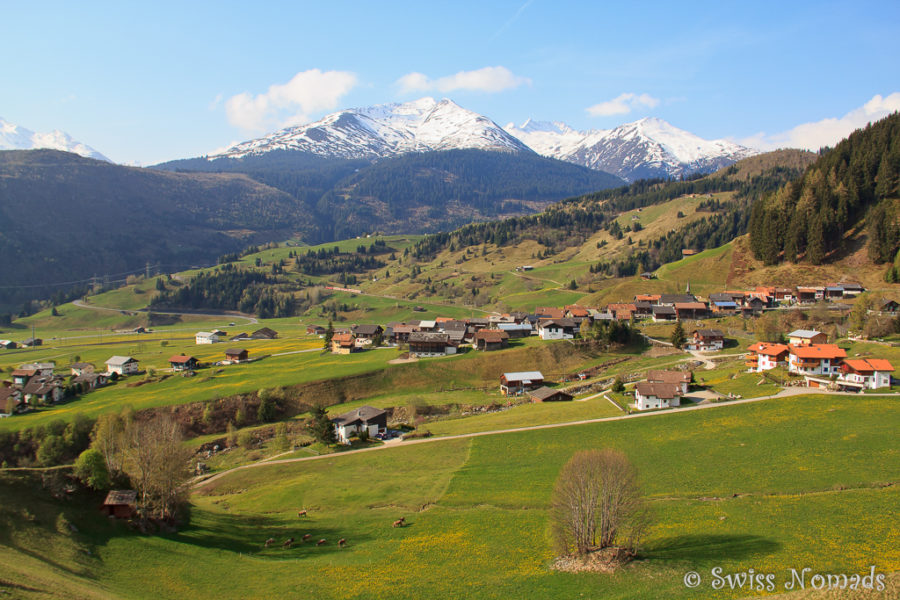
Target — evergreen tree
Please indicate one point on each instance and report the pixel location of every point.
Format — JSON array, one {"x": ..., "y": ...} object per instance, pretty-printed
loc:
[
  {"x": 321, "y": 427},
  {"x": 329, "y": 334},
  {"x": 678, "y": 337}
]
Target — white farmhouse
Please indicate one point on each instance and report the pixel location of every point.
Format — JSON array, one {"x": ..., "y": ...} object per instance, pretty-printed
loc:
[{"x": 206, "y": 337}]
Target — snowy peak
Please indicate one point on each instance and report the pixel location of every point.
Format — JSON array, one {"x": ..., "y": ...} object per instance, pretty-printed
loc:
[
  {"x": 649, "y": 147},
  {"x": 14, "y": 137},
  {"x": 387, "y": 130}
]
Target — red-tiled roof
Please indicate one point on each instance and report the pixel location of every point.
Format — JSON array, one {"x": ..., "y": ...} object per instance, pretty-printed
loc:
[
  {"x": 767, "y": 349},
  {"x": 819, "y": 351}
]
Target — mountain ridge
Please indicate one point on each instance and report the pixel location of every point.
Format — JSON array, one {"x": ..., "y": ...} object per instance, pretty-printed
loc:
[{"x": 16, "y": 137}]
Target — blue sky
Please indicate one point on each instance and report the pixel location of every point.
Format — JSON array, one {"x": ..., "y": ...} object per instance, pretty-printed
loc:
[{"x": 146, "y": 82}]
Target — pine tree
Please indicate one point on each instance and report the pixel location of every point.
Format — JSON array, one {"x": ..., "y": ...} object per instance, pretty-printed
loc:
[
  {"x": 678, "y": 337},
  {"x": 329, "y": 334},
  {"x": 321, "y": 427}
]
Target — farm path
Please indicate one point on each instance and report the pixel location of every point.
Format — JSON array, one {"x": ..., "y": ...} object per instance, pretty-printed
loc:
[
  {"x": 200, "y": 481},
  {"x": 517, "y": 274}
]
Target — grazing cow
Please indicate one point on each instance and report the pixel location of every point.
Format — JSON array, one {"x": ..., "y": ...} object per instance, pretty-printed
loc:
[
  {"x": 342, "y": 542},
  {"x": 288, "y": 542},
  {"x": 269, "y": 542},
  {"x": 306, "y": 537},
  {"x": 399, "y": 523},
  {"x": 302, "y": 513},
  {"x": 320, "y": 543}
]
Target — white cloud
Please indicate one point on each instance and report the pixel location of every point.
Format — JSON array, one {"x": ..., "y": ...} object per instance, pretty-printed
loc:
[
  {"x": 827, "y": 132},
  {"x": 488, "y": 79},
  {"x": 289, "y": 103},
  {"x": 622, "y": 105}
]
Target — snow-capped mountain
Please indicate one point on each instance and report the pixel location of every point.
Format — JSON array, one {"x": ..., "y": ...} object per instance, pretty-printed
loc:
[
  {"x": 386, "y": 130},
  {"x": 13, "y": 137},
  {"x": 649, "y": 147}
]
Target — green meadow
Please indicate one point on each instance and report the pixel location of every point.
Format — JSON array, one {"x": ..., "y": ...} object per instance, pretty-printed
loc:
[{"x": 799, "y": 482}]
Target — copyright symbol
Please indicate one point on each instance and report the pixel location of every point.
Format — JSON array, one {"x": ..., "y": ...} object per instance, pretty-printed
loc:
[{"x": 692, "y": 579}]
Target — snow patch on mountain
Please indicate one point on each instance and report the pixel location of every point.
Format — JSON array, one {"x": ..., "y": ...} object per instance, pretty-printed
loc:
[
  {"x": 386, "y": 130},
  {"x": 649, "y": 147},
  {"x": 14, "y": 137}
]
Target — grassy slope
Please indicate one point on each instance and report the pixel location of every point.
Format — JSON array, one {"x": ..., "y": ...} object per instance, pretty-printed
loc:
[{"x": 478, "y": 506}]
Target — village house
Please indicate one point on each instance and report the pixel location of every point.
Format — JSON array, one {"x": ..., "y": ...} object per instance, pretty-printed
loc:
[
  {"x": 11, "y": 400},
  {"x": 691, "y": 310},
  {"x": 622, "y": 311},
  {"x": 31, "y": 342},
  {"x": 752, "y": 305},
  {"x": 122, "y": 365},
  {"x": 869, "y": 373},
  {"x": 343, "y": 343},
  {"x": 557, "y": 329},
  {"x": 680, "y": 378},
  {"x": 367, "y": 332},
  {"x": 723, "y": 308},
  {"x": 80, "y": 368},
  {"x": 649, "y": 395},
  {"x": 491, "y": 339},
  {"x": 851, "y": 288},
  {"x": 40, "y": 368},
  {"x": 808, "y": 294},
  {"x": 182, "y": 362},
  {"x": 427, "y": 325},
  {"x": 889, "y": 306},
  {"x": 816, "y": 359},
  {"x": 8, "y": 345},
  {"x": 664, "y": 313},
  {"x": 120, "y": 504},
  {"x": 315, "y": 330},
  {"x": 206, "y": 337},
  {"x": 89, "y": 381},
  {"x": 21, "y": 375},
  {"x": 673, "y": 299},
  {"x": 545, "y": 394},
  {"x": 516, "y": 330},
  {"x": 834, "y": 292},
  {"x": 514, "y": 384},
  {"x": 46, "y": 389},
  {"x": 574, "y": 311},
  {"x": 549, "y": 312},
  {"x": 763, "y": 356},
  {"x": 264, "y": 334},
  {"x": 365, "y": 418},
  {"x": 430, "y": 344},
  {"x": 237, "y": 355},
  {"x": 806, "y": 337},
  {"x": 651, "y": 298},
  {"x": 706, "y": 340},
  {"x": 399, "y": 332}
]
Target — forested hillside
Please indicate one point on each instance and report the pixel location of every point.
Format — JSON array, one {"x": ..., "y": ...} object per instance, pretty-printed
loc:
[{"x": 850, "y": 187}]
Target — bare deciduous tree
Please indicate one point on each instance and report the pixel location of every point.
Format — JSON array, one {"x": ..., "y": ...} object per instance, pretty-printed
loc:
[
  {"x": 597, "y": 503},
  {"x": 157, "y": 463}
]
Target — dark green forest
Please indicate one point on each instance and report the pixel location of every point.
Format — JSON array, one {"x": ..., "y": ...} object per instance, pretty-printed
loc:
[{"x": 852, "y": 186}]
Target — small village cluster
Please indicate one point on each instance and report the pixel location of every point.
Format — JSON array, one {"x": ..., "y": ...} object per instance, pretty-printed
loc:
[
  {"x": 38, "y": 383},
  {"x": 807, "y": 352}
]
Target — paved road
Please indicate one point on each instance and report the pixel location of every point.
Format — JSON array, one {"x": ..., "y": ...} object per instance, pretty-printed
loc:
[
  {"x": 224, "y": 314},
  {"x": 797, "y": 391}
]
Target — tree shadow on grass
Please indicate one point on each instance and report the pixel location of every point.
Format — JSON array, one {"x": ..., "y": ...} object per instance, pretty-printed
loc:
[
  {"x": 698, "y": 548},
  {"x": 247, "y": 534}
]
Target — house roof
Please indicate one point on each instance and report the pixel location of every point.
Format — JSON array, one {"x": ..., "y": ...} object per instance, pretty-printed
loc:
[
  {"x": 804, "y": 333},
  {"x": 120, "y": 497},
  {"x": 24, "y": 372},
  {"x": 864, "y": 365},
  {"x": 41, "y": 386},
  {"x": 524, "y": 376},
  {"x": 453, "y": 325},
  {"x": 577, "y": 311},
  {"x": 402, "y": 329},
  {"x": 427, "y": 324},
  {"x": 659, "y": 376},
  {"x": 264, "y": 333},
  {"x": 182, "y": 359},
  {"x": 543, "y": 392},
  {"x": 818, "y": 351},
  {"x": 366, "y": 329},
  {"x": 515, "y": 326},
  {"x": 563, "y": 323},
  {"x": 343, "y": 339},
  {"x": 663, "y": 390},
  {"x": 767, "y": 349},
  {"x": 621, "y": 306},
  {"x": 206, "y": 334},
  {"x": 673, "y": 298},
  {"x": 709, "y": 333},
  {"x": 234, "y": 351},
  {"x": 646, "y": 297},
  {"x": 549, "y": 311},
  {"x": 725, "y": 304},
  {"x": 80, "y": 365},
  {"x": 491, "y": 336},
  {"x": 429, "y": 336},
  {"x": 663, "y": 310},
  {"x": 363, "y": 414},
  {"x": 690, "y": 306},
  {"x": 118, "y": 361}
]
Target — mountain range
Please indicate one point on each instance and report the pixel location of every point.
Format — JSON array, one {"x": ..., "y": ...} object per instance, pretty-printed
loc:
[
  {"x": 646, "y": 148},
  {"x": 15, "y": 137}
]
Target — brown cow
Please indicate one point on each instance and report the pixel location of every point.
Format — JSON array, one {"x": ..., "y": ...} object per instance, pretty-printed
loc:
[
  {"x": 288, "y": 542},
  {"x": 306, "y": 537},
  {"x": 302, "y": 513},
  {"x": 399, "y": 523},
  {"x": 342, "y": 542},
  {"x": 269, "y": 542},
  {"x": 320, "y": 543}
]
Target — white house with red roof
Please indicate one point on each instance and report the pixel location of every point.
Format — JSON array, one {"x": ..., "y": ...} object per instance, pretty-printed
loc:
[
  {"x": 816, "y": 359},
  {"x": 871, "y": 373},
  {"x": 763, "y": 356}
]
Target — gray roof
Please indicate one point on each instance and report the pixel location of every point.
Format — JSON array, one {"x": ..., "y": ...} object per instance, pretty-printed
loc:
[
  {"x": 363, "y": 414},
  {"x": 524, "y": 376},
  {"x": 544, "y": 392},
  {"x": 429, "y": 336},
  {"x": 804, "y": 333},
  {"x": 118, "y": 361}
]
